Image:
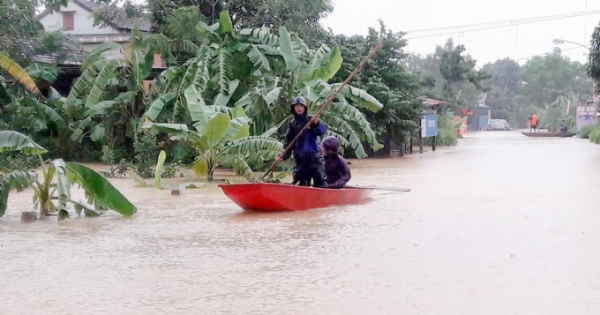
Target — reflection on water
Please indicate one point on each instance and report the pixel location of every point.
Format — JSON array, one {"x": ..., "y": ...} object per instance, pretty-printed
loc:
[{"x": 501, "y": 224}]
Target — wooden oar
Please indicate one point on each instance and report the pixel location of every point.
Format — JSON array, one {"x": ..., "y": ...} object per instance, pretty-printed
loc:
[
  {"x": 322, "y": 109},
  {"x": 382, "y": 188}
]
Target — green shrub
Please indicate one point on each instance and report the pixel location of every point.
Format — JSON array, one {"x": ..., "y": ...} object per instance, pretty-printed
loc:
[
  {"x": 595, "y": 135},
  {"x": 585, "y": 131},
  {"x": 11, "y": 161},
  {"x": 446, "y": 130}
]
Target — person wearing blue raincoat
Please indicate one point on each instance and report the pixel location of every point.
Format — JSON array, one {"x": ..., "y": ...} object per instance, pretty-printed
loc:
[{"x": 309, "y": 162}]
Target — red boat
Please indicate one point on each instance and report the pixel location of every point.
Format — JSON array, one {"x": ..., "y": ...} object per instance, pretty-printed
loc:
[{"x": 281, "y": 197}]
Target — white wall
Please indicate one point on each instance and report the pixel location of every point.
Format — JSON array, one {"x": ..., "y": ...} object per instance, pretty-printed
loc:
[
  {"x": 118, "y": 53},
  {"x": 83, "y": 22}
]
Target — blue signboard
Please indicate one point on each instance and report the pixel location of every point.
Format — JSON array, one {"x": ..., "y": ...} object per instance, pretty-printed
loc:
[{"x": 429, "y": 126}]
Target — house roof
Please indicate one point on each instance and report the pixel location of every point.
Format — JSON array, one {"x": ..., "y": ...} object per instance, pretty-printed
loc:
[
  {"x": 482, "y": 99},
  {"x": 432, "y": 102},
  {"x": 117, "y": 17}
]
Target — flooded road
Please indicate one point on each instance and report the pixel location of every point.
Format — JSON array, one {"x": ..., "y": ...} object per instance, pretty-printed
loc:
[{"x": 501, "y": 224}]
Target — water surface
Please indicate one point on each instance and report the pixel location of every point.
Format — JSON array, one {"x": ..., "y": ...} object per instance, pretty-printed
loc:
[{"x": 501, "y": 224}]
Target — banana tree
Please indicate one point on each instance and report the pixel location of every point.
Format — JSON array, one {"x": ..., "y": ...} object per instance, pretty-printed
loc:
[
  {"x": 261, "y": 71},
  {"x": 223, "y": 139},
  {"x": 52, "y": 192},
  {"x": 306, "y": 72},
  {"x": 109, "y": 97}
]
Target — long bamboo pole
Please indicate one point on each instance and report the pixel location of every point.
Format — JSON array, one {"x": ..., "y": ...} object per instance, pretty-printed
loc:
[{"x": 324, "y": 107}]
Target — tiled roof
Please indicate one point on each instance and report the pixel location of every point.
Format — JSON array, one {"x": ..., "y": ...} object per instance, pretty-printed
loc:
[
  {"x": 72, "y": 52},
  {"x": 117, "y": 17}
]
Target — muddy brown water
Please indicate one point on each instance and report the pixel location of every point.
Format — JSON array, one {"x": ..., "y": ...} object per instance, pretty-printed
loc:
[{"x": 501, "y": 224}]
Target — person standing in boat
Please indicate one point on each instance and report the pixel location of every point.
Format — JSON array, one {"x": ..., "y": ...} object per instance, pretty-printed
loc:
[
  {"x": 533, "y": 123},
  {"x": 336, "y": 167},
  {"x": 308, "y": 158}
]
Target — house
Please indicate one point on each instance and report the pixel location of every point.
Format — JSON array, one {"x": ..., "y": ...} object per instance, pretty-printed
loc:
[
  {"x": 77, "y": 20},
  {"x": 482, "y": 114}
]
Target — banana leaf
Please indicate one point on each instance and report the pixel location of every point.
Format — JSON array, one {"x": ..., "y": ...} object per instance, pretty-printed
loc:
[
  {"x": 15, "y": 141},
  {"x": 17, "y": 180},
  {"x": 99, "y": 188},
  {"x": 18, "y": 73}
]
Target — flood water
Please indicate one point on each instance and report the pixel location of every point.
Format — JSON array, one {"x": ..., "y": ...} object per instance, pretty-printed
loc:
[{"x": 501, "y": 224}]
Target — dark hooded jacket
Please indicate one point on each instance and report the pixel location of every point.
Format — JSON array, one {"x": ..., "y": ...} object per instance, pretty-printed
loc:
[
  {"x": 336, "y": 167},
  {"x": 308, "y": 147}
]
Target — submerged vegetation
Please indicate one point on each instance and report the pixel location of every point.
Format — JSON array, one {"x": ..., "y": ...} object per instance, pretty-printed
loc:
[{"x": 52, "y": 191}]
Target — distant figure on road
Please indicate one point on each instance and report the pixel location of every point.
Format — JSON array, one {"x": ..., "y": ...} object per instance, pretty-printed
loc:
[
  {"x": 533, "y": 123},
  {"x": 563, "y": 129}
]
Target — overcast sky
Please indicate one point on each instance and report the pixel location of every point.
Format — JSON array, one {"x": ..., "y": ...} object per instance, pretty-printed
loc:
[{"x": 517, "y": 42}]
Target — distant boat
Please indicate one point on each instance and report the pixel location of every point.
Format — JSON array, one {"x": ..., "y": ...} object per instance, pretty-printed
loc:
[{"x": 549, "y": 134}]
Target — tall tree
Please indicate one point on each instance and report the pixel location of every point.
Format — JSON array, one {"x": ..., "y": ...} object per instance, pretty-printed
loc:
[
  {"x": 301, "y": 16},
  {"x": 386, "y": 79}
]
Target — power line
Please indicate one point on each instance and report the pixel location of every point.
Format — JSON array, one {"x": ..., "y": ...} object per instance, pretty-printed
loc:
[
  {"x": 492, "y": 47},
  {"x": 511, "y": 23},
  {"x": 545, "y": 54}
]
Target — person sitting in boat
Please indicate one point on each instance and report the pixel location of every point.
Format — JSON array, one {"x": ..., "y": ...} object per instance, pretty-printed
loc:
[
  {"x": 307, "y": 150},
  {"x": 336, "y": 167}
]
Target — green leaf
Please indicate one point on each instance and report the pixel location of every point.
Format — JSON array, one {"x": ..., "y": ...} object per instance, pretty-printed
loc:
[
  {"x": 96, "y": 53},
  {"x": 50, "y": 113},
  {"x": 238, "y": 128},
  {"x": 329, "y": 65},
  {"x": 254, "y": 144},
  {"x": 15, "y": 141},
  {"x": 198, "y": 109},
  {"x": 204, "y": 29},
  {"x": 160, "y": 163},
  {"x": 4, "y": 95},
  {"x": 86, "y": 208},
  {"x": 140, "y": 62},
  {"x": 180, "y": 130},
  {"x": 238, "y": 112},
  {"x": 107, "y": 71},
  {"x": 100, "y": 109},
  {"x": 63, "y": 187},
  {"x": 45, "y": 73},
  {"x": 201, "y": 166},
  {"x": 258, "y": 58},
  {"x": 17, "y": 180},
  {"x": 158, "y": 104},
  {"x": 97, "y": 133},
  {"x": 216, "y": 128},
  {"x": 99, "y": 188},
  {"x": 83, "y": 125},
  {"x": 225, "y": 24},
  {"x": 273, "y": 130},
  {"x": 141, "y": 182},
  {"x": 359, "y": 97},
  {"x": 54, "y": 96},
  {"x": 285, "y": 46},
  {"x": 223, "y": 98}
]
